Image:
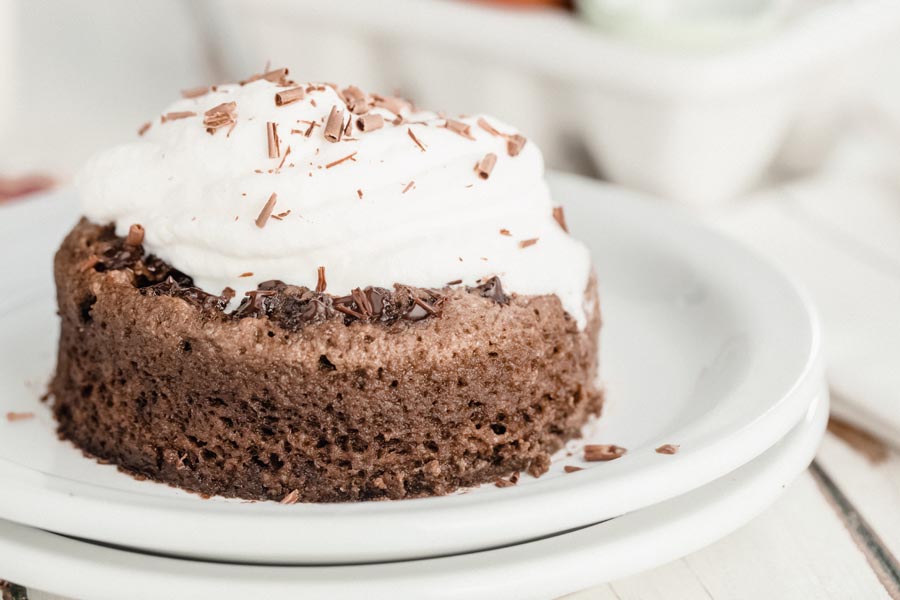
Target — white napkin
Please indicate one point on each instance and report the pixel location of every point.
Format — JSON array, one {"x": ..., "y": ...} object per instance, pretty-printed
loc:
[{"x": 838, "y": 233}]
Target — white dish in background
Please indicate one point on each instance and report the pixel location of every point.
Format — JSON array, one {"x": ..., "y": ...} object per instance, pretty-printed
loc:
[
  {"x": 697, "y": 126},
  {"x": 546, "y": 568},
  {"x": 704, "y": 345}
]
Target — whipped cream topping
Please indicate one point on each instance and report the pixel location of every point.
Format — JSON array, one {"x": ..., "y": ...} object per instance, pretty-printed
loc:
[{"x": 404, "y": 203}]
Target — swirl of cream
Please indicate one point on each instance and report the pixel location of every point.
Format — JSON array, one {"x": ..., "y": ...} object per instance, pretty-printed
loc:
[{"x": 402, "y": 203}]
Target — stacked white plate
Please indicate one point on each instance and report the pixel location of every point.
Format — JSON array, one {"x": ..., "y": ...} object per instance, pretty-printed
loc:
[{"x": 705, "y": 346}]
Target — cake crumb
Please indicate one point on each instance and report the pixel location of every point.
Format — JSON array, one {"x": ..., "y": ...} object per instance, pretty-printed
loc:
[{"x": 603, "y": 452}]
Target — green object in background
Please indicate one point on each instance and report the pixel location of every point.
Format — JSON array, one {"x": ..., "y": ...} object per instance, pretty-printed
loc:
[{"x": 686, "y": 23}]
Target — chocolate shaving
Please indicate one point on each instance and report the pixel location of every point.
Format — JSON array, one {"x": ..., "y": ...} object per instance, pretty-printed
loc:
[
  {"x": 135, "y": 235},
  {"x": 603, "y": 452},
  {"x": 247, "y": 274},
  {"x": 491, "y": 289},
  {"x": 370, "y": 122},
  {"x": 219, "y": 116},
  {"x": 283, "y": 158},
  {"x": 526, "y": 243},
  {"x": 195, "y": 92},
  {"x": 356, "y": 100},
  {"x": 272, "y": 137},
  {"x": 174, "y": 116},
  {"x": 359, "y": 193},
  {"x": 391, "y": 103},
  {"x": 348, "y": 128},
  {"x": 321, "y": 284},
  {"x": 409, "y": 186},
  {"x": 144, "y": 128},
  {"x": 455, "y": 282},
  {"x": 349, "y": 311},
  {"x": 515, "y": 143},
  {"x": 334, "y": 126},
  {"x": 280, "y": 216},
  {"x": 486, "y": 165},
  {"x": 488, "y": 127},
  {"x": 292, "y": 498},
  {"x": 505, "y": 232},
  {"x": 668, "y": 449},
  {"x": 286, "y": 97},
  {"x": 560, "y": 217},
  {"x": 350, "y": 156},
  {"x": 410, "y": 133},
  {"x": 362, "y": 301},
  {"x": 266, "y": 212},
  {"x": 504, "y": 483},
  {"x": 12, "y": 417},
  {"x": 460, "y": 128},
  {"x": 275, "y": 76},
  {"x": 572, "y": 469},
  {"x": 183, "y": 288}
]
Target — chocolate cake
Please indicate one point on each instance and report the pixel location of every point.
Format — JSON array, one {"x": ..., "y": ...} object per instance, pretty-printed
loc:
[{"x": 240, "y": 317}]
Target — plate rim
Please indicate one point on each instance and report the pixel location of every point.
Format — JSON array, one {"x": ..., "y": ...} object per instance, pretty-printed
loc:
[
  {"x": 127, "y": 506},
  {"x": 517, "y": 571}
]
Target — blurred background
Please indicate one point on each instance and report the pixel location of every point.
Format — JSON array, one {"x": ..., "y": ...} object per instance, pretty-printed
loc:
[
  {"x": 777, "y": 121},
  {"x": 697, "y": 101}
]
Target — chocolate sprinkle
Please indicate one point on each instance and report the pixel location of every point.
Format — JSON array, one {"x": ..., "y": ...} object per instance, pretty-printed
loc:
[
  {"x": 219, "y": 116},
  {"x": 143, "y": 128},
  {"x": 135, "y": 235},
  {"x": 350, "y": 156},
  {"x": 195, "y": 92},
  {"x": 286, "y": 97},
  {"x": 492, "y": 290},
  {"x": 514, "y": 144},
  {"x": 668, "y": 449},
  {"x": 266, "y": 211},
  {"x": 572, "y": 469},
  {"x": 174, "y": 116},
  {"x": 560, "y": 216},
  {"x": 334, "y": 126},
  {"x": 486, "y": 165},
  {"x": 412, "y": 136},
  {"x": 458, "y": 127},
  {"x": 272, "y": 138},
  {"x": 291, "y": 307},
  {"x": 12, "y": 417},
  {"x": 529, "y": 242},
  {"x": 321, "y": 284},
  {"x": 370, "y": 122}
]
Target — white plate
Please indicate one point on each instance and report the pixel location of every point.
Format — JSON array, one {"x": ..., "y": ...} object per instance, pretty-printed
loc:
[
  {"x": 704, "y": 345},
  {"x": 542, "y": 569}
]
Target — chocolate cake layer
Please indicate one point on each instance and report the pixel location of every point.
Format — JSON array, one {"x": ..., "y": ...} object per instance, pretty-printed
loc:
[{"x": 155, "y": 377}]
